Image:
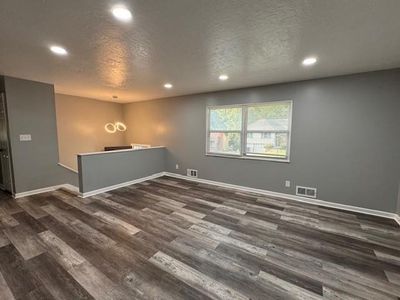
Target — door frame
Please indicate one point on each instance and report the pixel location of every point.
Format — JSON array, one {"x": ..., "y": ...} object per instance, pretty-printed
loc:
[{"x": 11, "y": 169}]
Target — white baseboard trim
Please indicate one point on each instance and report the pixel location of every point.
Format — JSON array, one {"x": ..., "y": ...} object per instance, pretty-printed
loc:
[
  {"x": 292, "y": 197},
  {"x": 397, "y": 218},
  {"x": 319, "y": 202},
  {"x": 70, "y": 187},
  {"x": 120, "y": 185},
  {"x": 67, "y": 186}
]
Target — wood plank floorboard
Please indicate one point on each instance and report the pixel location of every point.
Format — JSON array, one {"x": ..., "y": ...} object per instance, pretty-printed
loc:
[{"x": 170, "y": 238}]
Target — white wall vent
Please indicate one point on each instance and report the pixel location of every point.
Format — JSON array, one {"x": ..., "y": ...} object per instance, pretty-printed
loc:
[
  {"x": 191, "y": 172},
  {"x": 306, "y": 191}
]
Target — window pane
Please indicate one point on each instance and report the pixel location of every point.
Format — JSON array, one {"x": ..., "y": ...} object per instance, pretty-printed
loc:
[
  {"x": 271, "y": 144},
  {"x": 229, "y": 118},
  {"x": 269, "y": 117},
  {"x": 224, "y": 142}
]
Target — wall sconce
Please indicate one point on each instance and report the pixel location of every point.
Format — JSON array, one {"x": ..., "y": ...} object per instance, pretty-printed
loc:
[{"x": 114, "y": 127}]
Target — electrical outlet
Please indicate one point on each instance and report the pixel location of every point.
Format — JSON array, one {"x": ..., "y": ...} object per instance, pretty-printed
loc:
[
  {"x": 287, "y": 183},
  {"x": 25, "y": 137},
  {"x": 177, "y": 166}
]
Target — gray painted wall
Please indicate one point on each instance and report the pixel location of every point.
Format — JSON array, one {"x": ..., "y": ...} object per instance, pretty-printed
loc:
[
  {"x": 398, "y": 201},
  {"x": 345, "y": 137},
  {"x": 31, "y": 110},
  {"x": 97, "y": 171}
]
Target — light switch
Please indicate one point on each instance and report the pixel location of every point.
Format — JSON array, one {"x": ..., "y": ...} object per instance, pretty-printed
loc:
[{"x": 25, "y": 137}]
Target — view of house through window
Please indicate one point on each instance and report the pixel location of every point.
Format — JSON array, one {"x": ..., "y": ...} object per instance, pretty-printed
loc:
[
  {"x": 258, "y": 130},
  {"x": 225, "y": 130}
]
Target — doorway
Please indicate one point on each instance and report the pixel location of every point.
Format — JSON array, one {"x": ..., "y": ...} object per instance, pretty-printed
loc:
[{"x": 6, "y": 183}]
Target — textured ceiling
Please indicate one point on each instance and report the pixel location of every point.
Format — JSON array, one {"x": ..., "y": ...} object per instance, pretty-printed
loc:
[{"x": 191, "y": 42}]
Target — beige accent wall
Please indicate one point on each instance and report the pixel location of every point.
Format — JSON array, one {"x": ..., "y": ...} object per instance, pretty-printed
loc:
[
  {"x": 151, "y": 125},
  {"x": 80, "y": 126}
]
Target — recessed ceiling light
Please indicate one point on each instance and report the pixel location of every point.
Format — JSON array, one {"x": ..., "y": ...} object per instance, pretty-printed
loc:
[
  {"x": 309, "y": 61},
  {"x": 223, "y": 77},
  {"x": 58, "y": 50},
  {"x": 122, "y": 13},
  {"x": 168, "y": 86}
]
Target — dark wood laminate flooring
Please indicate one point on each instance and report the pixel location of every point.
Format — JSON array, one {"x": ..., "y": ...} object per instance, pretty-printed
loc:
[{"x": 174, "y": 239}]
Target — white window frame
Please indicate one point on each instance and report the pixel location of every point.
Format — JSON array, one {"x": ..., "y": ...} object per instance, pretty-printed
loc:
[{"x": 243, "y": 133}]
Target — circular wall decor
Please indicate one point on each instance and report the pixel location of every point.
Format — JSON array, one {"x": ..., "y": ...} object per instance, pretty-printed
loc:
[
  {"x": 114, "y": 127},
  {"x": 120, "y": 126},
  {"x": 110, "y": 128}
]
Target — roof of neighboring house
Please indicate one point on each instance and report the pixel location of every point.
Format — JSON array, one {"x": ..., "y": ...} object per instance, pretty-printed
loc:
[{"x": 269, "y": 125}]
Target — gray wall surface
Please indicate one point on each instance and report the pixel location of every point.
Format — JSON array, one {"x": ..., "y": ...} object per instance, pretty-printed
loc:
[
  {"x": 31, "y": 110},
  {"x": 97, "y": 171},
  {"x": 345, "y": 137},
  {"x": 398, "y": 202}
]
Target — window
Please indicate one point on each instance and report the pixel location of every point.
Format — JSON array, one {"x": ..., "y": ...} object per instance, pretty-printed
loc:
[
  {"x": 225, "y": 130},
  {"x": 250, "y": 131}
]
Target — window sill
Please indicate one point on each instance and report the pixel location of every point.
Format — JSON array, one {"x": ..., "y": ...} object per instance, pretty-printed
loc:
[{"x": 249, "y": 157}]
